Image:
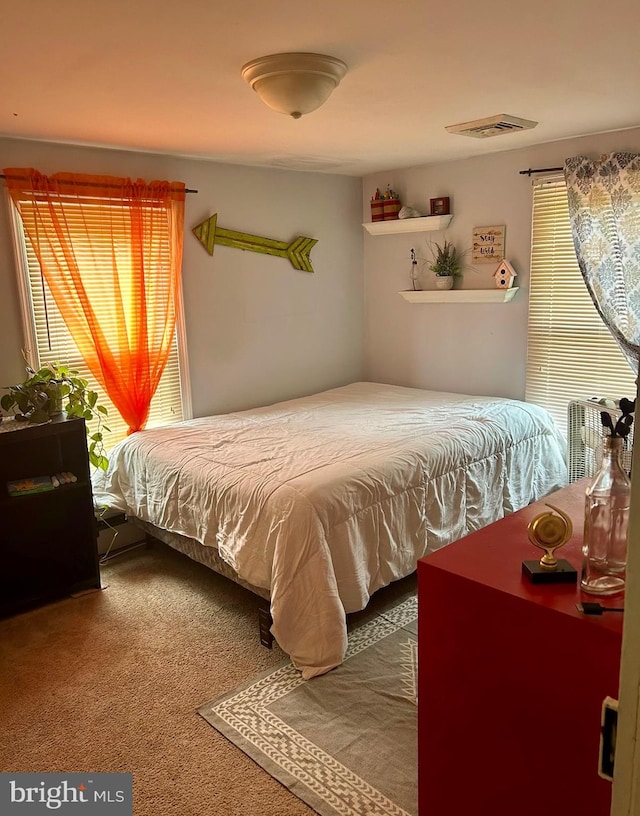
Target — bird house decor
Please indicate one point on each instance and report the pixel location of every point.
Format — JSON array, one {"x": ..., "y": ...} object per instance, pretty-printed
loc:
[{"x": 504, "y": 275}]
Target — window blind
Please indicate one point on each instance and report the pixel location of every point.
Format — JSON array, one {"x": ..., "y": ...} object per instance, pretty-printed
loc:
[
  {"x": 53, "y": 341},
  {"x": 571, "y": 353}
]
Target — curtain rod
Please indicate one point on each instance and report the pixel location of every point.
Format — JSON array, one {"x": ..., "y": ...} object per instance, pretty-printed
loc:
[
  {"x": 542, "y": 170},
  {"x": 90, "y": 184}
]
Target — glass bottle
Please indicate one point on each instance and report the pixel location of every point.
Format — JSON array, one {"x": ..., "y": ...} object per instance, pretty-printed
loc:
[
  {"x": 415, "y": 278},
  {"x": 606, "y": 522}
]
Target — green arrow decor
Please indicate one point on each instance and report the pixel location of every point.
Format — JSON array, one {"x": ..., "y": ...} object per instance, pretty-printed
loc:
[{"x": 209, "y": 234}]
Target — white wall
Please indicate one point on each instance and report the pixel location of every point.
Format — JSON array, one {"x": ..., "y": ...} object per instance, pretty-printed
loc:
[
  {"x": 465, "y": 348},
  {"x": 258, "y": 330}
]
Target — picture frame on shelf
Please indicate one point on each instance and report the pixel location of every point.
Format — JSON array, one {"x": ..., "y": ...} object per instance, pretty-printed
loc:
[{"x": 439, "y": 206}]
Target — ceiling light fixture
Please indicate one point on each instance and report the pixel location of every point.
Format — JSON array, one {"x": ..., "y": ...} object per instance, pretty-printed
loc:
[{"x": 296, "y": 83}]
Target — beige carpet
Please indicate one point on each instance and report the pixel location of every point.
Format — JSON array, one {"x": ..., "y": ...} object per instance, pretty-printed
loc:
[{"x": 112, "y": 681}]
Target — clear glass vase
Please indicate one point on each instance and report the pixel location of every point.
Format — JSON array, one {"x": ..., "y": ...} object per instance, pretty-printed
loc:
[{"x": 606, "y": 522}]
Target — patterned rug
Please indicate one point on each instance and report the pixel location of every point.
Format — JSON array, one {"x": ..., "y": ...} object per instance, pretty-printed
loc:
[{"x": 346, "y": 742}]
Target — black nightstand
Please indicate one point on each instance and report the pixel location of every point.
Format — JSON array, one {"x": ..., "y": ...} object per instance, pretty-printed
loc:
[{"x": 48, "y": 540}]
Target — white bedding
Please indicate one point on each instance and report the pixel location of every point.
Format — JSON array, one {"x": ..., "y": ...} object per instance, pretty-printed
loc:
[{"x": 325, "y": 499}]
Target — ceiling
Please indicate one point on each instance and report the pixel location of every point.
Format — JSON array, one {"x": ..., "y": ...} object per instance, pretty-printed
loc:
[{"x": 160, "y": 76}]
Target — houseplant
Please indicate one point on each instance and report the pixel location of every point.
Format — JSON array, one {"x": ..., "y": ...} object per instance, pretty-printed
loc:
[
  {"x": 49, "y": 391},
  {"x": 446, "y": 263}
]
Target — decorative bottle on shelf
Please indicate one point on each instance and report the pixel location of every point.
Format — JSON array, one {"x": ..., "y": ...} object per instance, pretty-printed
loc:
[
  {"x": 415, "y": 278},
  {"x": 606, "y": 522}
]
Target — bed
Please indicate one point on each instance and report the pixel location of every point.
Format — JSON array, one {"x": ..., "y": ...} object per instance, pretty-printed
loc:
[{"x": 317, "y": 502}]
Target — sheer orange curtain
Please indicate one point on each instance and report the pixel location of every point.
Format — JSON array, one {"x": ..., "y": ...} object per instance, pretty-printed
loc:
[{"x": 123, "y": 319}]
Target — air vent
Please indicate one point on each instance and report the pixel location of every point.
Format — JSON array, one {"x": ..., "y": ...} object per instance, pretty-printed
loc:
[{"x": 493, "y": 126}]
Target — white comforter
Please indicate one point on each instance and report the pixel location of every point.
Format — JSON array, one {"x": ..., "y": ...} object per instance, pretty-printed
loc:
[{"x": 327, "y": 498}]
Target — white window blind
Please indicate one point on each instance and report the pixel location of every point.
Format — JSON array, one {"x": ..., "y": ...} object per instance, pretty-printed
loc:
[
  {"x": 571, "y": 353},
  {"x": 48, "y": 338}
]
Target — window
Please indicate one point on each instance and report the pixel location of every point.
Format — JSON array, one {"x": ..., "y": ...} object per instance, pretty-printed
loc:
[
  {"x": 571, "y": 353},
  {"x": 48, "y": 338}
]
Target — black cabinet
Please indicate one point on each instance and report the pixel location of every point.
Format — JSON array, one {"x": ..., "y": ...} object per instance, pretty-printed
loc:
[{"x": 48, "y": 540}]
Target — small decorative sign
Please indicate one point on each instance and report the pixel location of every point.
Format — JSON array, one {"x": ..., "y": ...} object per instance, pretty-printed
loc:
[
  {"x": 488, "y": 244},
  {"x": 439, "y": 206}
]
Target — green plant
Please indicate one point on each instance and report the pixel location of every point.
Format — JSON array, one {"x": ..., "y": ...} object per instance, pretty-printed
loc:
[
  {"x": 49, "y": 391},
  {"x": 446, "y": 260}
]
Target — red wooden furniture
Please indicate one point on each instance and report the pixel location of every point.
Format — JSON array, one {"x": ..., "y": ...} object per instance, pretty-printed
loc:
[{"x": 511, "y": 677}]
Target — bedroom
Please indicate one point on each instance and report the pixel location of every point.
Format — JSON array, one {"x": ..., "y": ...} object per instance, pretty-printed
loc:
[{"x": 258, "y": 331}]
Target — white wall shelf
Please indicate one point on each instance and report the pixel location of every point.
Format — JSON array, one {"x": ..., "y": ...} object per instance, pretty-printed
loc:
[
  {"x": 424, "y": 224},
  {"x": 460, "y": 295}
]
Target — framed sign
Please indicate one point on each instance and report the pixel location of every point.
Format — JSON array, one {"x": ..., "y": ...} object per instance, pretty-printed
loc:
[
  {"x": 439, "y": 206},
  {"x": 488, "y": 244}
]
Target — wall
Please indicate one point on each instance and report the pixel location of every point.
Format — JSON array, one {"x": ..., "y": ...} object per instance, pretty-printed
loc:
[
  {"x": 465, "y": 348},
  {"x": 258, "y": 330}
]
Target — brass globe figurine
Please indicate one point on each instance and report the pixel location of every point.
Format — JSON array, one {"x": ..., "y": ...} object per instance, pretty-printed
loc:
[{"x": 549, "y": 532}]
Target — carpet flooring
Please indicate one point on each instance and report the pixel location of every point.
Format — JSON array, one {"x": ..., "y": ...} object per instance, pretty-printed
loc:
[{"x": 112, "y": 680}]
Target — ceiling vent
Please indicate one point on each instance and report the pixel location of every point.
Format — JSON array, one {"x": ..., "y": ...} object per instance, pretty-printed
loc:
[{"x": 492, "y": 126}]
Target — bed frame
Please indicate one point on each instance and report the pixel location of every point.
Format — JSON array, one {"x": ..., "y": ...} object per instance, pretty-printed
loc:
[{"x": 209, "y": 557}]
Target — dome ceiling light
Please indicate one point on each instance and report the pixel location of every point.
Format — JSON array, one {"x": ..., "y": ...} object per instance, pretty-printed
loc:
[{"x": 296, "y": 83}]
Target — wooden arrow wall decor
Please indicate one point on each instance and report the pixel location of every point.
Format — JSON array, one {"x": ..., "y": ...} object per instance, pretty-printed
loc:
[{"x": 297, "y": 251}]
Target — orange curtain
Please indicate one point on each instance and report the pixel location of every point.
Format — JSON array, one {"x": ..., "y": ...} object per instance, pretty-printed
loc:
[{"x": 132, "y": 232}]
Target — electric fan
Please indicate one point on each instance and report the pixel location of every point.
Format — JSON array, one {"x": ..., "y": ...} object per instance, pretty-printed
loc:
[{"x": 585, "y": 434}]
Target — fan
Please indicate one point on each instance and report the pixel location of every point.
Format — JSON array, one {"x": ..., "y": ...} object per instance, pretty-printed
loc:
[{"x": 585, "y": 434}]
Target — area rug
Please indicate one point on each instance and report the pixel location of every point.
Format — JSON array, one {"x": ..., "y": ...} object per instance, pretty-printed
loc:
[{"x": 346, "y": 742}]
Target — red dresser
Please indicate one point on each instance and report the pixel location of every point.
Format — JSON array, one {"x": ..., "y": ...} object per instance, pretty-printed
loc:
[{"x": 511, "y": 677}]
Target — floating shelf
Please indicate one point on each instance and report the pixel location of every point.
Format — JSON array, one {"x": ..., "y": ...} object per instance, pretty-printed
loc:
[
  {"x": 460, "y": 295},
  {"x": 424, "y": 224}
]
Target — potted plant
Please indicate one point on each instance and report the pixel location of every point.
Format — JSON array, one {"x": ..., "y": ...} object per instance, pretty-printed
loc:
[
  {"x": 446, "y": 263},
  {"x": 52, "y": 389}
]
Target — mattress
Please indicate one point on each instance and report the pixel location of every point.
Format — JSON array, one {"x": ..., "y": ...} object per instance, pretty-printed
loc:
[{"x": 324, "y": 499}]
